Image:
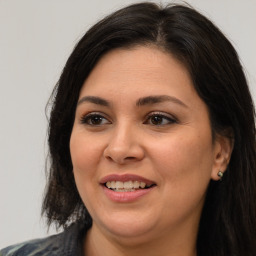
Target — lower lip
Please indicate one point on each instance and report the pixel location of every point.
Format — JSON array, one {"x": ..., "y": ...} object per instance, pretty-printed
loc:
[{"x": 124, "y": 197}]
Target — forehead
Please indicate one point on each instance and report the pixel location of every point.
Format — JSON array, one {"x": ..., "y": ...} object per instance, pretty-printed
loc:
[{"x": 139, "y": 67}]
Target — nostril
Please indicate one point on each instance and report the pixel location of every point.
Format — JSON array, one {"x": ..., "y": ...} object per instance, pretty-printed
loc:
[
  {"x": 122, "y": 154},
  {"x": 109, "y": 158},
  {"x": 121, "y": 160},
  {"x": 130, "y": 158}
]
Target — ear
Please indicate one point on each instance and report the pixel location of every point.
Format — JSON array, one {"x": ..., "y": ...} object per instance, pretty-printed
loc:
[{"x": 223, "y": 147}]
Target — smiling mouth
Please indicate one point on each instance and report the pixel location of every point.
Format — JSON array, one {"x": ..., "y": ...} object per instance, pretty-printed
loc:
[{"x": 127, "y": 186}]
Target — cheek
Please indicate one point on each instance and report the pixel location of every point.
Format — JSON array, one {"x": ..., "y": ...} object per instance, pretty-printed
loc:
[
  {"x": 85, "y": 153},
  {"x": 85, "y": 156},
  {"x": 184, "y": 165},
  {"x": 185, "y": 157}
]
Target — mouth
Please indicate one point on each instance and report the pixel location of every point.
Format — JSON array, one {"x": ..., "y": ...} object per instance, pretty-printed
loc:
[
  {"x": 128, "y": 186},
  {"x": 126, "y": 183}
]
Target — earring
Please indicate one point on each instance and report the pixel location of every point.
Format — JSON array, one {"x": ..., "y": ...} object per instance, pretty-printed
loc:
[{"x": 220, "y": 174}]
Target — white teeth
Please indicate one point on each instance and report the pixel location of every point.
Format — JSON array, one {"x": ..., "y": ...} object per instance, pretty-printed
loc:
[
  {"x": 136, "y": 184},
  {"x": 142, "y": 184},
  {"x": 125, "y": 186},
  {"x": 128, "y": 185},
  {"x": 119, "y": 185}
]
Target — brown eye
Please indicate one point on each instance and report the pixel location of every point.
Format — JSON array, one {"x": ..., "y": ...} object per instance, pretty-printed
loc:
[
  {"x": 159, "y": 119},
  {"x": 94, "y": 119},
  {"x": 156, "y": 120}
]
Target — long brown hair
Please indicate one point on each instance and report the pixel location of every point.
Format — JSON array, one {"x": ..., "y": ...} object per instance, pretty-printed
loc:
[{"x": 228, "y": 221}]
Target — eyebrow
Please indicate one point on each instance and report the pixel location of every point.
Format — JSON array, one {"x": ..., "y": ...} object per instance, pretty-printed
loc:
[
  {"x": 94, "y": 100},
  {"x": 149, "y": 100}
]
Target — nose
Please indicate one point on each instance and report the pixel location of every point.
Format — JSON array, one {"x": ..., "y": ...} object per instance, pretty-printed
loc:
[{"x": 124, "y": 146}]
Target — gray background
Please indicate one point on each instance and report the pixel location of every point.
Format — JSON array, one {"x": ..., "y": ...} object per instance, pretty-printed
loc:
[{"x": 36, "y": 37}]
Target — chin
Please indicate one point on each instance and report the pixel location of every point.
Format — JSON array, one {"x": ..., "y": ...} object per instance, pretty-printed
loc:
[{"x": 126, "y": 226}]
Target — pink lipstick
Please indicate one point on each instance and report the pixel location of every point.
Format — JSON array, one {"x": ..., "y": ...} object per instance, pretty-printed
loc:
[{"x": 126, "y": 188}]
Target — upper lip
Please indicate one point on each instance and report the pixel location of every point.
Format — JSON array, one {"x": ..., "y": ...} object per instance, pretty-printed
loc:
[{"x": 126, "y": 177}]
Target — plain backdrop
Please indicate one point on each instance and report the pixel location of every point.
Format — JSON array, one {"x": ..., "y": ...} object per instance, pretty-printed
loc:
[{"x": 36, "y": 37}]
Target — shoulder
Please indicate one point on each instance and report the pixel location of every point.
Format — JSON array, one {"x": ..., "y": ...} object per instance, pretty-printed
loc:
[
  {"x": 65, "y": 243},
  {"x": 29, "y": 247},
  {"x": 44, "y": 246}
]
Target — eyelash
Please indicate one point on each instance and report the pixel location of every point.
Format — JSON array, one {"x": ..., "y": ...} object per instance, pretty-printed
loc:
[
  {"x": 87, "y": 119},
  {"x": 170, "y": 120}
]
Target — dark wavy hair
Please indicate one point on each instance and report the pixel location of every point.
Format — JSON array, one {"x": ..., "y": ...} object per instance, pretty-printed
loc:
[{"x": 228, "y": 221}]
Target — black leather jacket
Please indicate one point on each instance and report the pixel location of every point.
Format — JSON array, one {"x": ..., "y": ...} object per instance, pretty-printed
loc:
[{"x": 67, "y": 243}]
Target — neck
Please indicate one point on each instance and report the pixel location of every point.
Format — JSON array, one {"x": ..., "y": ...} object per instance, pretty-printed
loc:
[{"x": 97, "y": 244}]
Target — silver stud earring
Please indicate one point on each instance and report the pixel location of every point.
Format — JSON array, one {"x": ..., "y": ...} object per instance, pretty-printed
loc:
[{"x": 220, "y": 174}]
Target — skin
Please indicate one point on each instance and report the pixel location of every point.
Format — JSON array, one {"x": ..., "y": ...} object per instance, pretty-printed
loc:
[{"x": 174, "y": 148}]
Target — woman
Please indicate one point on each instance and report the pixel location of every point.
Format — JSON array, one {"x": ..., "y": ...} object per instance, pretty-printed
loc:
[{"x": 152, "y": 142}]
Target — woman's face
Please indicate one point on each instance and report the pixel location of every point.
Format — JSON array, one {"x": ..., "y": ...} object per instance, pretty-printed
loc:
[{"x": 141, "y": 145}]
